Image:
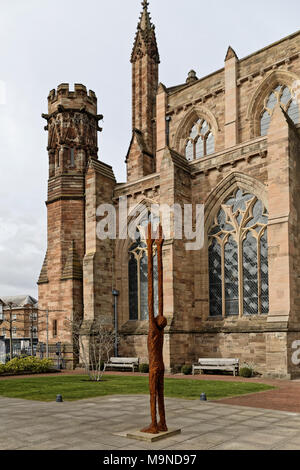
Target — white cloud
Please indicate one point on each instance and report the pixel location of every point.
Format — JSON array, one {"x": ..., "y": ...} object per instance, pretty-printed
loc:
[{"x": 22, "y": 246}]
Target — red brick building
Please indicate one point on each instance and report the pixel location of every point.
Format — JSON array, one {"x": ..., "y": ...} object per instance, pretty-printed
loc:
[{"x": 229, "y": 141}]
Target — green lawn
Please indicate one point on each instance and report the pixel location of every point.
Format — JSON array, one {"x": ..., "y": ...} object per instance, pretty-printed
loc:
[{"x": 76, "y": 387}]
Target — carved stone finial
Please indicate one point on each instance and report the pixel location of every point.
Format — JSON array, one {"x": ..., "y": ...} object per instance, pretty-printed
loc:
[{"x": 192, "y": 77}]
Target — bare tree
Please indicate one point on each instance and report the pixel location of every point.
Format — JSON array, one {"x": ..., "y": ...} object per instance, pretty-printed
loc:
[{"x": 93, "y": 345}]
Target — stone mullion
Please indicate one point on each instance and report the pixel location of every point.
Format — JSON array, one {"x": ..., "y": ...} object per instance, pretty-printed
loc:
[
  {"x": 204, "y": 146},
  {"x": 194, "y": 149}
]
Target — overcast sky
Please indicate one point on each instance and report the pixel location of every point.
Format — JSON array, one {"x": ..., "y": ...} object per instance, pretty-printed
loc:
[{"x": 47, "y": 42}]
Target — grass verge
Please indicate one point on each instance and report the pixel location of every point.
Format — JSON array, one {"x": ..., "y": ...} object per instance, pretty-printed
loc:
[{"x": 79, "y": 387}]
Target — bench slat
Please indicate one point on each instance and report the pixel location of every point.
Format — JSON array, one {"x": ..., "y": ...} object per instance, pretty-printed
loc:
[{"x": 218, "y": 361}]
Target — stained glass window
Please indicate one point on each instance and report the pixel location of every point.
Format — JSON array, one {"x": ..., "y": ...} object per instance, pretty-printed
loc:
[
  {"x": 201, "y": 141},
  {"x": 133, "y": 288},
  {"x": 138, "y": 280},
  {"x": 250, "y": 275},
  {"x": 144, "y": 286},
  {"x": 282, "y": 95},
  {"x": 215, "y": 278},
  {"x": 264, "y": 273},
  {"x": 238, "y": 257},
  {"x": 231, "y": 274}
]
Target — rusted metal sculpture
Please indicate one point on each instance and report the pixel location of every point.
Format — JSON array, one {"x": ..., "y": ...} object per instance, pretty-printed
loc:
[{"x": 156, "y": 338}]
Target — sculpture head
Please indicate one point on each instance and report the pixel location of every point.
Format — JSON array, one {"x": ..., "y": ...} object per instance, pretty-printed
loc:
[{"x": 161, "y": 322}]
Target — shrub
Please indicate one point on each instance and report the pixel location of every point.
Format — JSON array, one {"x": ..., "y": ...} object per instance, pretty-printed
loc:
[
  {"x": 246, "y": 372},
  {"x": 144, "y": 368},
  {"x": 186, "y": 370},
  {"x": 28, "y": 364},
  {"x": 2, "y": 369}
]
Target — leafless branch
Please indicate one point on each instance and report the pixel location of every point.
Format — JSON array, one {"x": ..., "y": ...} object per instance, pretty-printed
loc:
[{"x": 93, "y": 346}]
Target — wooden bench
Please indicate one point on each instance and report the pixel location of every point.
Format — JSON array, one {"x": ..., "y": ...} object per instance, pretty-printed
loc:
[
  {"x": 123, "y": 362},
  {"x": 217, "y": 364}
]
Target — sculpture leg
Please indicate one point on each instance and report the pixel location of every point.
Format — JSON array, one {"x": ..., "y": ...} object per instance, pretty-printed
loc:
[
  {"x": 153, "y": 383},
  {"x": 162, "y": 425}
]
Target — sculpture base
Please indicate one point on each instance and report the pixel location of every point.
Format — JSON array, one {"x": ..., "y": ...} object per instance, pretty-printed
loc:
[{"x": 144, "y": 436}]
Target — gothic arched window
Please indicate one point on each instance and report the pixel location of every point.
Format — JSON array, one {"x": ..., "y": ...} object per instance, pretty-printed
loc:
[
  {"x": 281, "y": 94},
  {"x": 138, "y": 279},
  {"x": 238, "y": 257},
  {"x": 201, "y": 141}
]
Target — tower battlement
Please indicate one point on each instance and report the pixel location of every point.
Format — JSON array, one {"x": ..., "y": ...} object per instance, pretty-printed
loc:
[{"x": 77, "y": 99}]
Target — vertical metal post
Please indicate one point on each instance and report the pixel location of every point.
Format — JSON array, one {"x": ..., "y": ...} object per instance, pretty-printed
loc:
[
  {"x": 58, "y": 353},
  {"x": 47, "y": 332},
  {"x": 31, "y": 331},
  {"x": 10, "y": 334}
]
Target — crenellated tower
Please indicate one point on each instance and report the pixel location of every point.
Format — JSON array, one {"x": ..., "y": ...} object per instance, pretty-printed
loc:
[
  {"x": 72, "y": 125},
  {"x": 145, "y": 63}
]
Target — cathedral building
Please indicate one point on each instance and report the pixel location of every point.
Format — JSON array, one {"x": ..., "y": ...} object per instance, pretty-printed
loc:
[{"x": 229, "y": 141}]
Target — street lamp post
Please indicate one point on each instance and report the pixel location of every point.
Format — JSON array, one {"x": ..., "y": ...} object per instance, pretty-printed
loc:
[
  {"x": 10, "y": 331},
  {"x": 31, "y": 331}
]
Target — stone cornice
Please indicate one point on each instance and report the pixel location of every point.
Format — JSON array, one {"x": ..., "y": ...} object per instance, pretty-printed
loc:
[
  {"x": 63, "y": 109},
  {"x": 68, "y": 197},
  {"x": 245, "y": 151},
  {"x": 262, "y": 71},
  {"x": 200, "y": 100}
]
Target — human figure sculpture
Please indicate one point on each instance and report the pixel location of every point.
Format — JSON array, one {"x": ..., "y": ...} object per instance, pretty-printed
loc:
[{"x": 156, "y": 339}]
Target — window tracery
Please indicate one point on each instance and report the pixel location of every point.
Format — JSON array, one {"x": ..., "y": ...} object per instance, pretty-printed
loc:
[
  {"x": 201, "y": 141},
  {"x": 238, "y": 257},
  {"x": 138, "y": 277},
  {"x": 281, "y": 94}
]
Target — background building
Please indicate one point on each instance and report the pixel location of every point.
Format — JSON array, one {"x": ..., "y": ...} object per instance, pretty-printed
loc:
[
  {"x": 230, "y": 141},
  {"x": 18, "y": 325}
]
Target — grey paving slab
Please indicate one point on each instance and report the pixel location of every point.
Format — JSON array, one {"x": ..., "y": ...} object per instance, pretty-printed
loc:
[
  {"x": 240, "y": 445},
  {"x": 286, "y": 446},
  {"x": 261, "y": 438},
  {"x": 101, "y": 422}
]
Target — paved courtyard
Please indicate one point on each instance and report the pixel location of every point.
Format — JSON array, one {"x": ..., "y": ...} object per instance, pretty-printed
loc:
[{"x": 100, "y": 424}]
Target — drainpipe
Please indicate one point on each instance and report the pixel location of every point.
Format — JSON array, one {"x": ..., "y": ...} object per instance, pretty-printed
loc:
[
  {"x": 116, "y": 293},
  {"x": 168, "y": 119}
]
